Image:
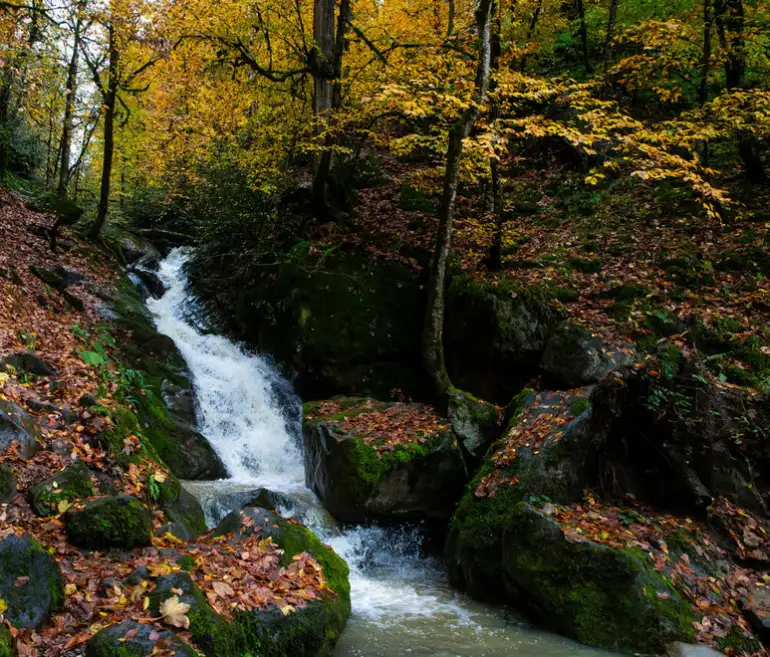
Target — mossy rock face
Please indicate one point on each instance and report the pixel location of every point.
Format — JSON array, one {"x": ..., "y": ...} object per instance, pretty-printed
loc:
[
  {"x": 42, "y": 593},
  {"x": 110, "y": 522},
  {"x": 414, "y": 481},
  {"x": 144, "y": 641},
  {"x": 475, "y": 422},
  {"x": 574, "y": 357},
  {"x": 182, "y": 510},
  {"x": 347, "y": 325},
  {"x": 7, "y": 483},
  {"x": 605, "y": 597},
  {"x": 554, "y": 463},
  {"x": 494, "y": 336},
  {"x": 72, "y": 483}
]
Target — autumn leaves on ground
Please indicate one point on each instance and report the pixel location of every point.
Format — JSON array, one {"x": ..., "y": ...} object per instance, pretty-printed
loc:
[{"x": 56, "y": 407}]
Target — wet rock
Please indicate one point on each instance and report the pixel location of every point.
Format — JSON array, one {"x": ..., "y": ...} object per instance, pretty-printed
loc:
[
  {"x": 72, "y": 483},
  {"x": 17, "y": 425},
  {"x": 137, "y": 640},
  {"x": 109, "y": 522},
  {"x": 7, "y": 483},
  {"x": 575, "y": 357},
  {"x": 28, "y": 363},
  {"x": 30, "y": 581},
  {"x": 416, "y": 481},
  {"x": 181, "y": 509},
  {"x": 474, "y": 421},
  {"x": 180, "y": 400},
  {"x": 602, "y": 596},
  {"x": 188, "y": 454},
  {"x": 129, "y": 247},
  {"x": 679, "y": 649},
  {"x": 148, "y": 282}
]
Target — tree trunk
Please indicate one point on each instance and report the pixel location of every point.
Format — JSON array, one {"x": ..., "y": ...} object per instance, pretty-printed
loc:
[
  {"x": 450, "y": 23},
  {"x": 322, "y": 62},
  {"x": 610, "y": 36},
  {"x": 531, "y": 32},
  {"x": 69, "y": 113},
  {"x": 495, "y": 188},
  {"x": 730, "y": 19},
  {"x": 110, "y": 98},
  {"x": 584, "y": 36},
  {"x": 705, "y": 65},
  {"x": 433, "y": 334}
]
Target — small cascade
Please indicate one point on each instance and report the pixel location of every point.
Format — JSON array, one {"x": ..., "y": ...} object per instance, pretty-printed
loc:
[{"x": 402, "y": 602}]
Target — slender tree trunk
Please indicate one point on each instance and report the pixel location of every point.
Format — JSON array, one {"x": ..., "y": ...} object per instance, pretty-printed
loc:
[
  {"x": 322, "y": 59},
  {"x": 450, "y": 24},
  {"x": 69, "y": 112},
  {"x": 705, "y": 65},
  {"x": 495, "y": 188},
  {"x": 610, "y": 36},
  {"x": 433, "y": 334},
  {"x": 730, "y": 19},
  {"x": 584, "y": 35},
  {"x": 531, "y": 32},
  {"x": 110, "y": 98}
]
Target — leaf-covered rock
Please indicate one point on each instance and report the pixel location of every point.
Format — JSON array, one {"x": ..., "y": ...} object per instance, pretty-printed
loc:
[
  {"x": 366, "y": 462},
  {"x": 72, "y": 483},
  {"x": 16, "y": 424},
  {"x": 109, "y": 522},
  {"x": 30, "y": 581},
  {"x": 133, "y": 639}
]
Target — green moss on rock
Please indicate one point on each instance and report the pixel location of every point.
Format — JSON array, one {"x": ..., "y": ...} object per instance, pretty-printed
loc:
[
  {"x": 132, "y": 639},
  {"x": 7, "y": 483},
  {"x": 6, "y": 643},
  {"x": 72, "y": 483},
  {"x": 110, "y": 522},
  {"x": 182, "y": 510}
]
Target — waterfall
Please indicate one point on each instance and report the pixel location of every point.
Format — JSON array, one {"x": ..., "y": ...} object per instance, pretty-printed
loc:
[{"x": 402, "y": 602}]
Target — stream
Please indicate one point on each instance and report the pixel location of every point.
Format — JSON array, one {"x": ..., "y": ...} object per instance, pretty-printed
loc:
[{"x": 402, "y": 601}]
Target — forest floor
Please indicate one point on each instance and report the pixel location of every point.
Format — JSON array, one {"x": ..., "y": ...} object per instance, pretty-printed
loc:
[
  {"x": 36, "y": 317},
  {"x": 626, "y": 262}
]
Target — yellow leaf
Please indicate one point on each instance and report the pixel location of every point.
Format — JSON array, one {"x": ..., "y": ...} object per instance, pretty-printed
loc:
[
  {"x": 287, "y": 610},
  {"x": 3, "y": 607},
  {"x": 70, "y": 589},
  {"x": 63, "y": 505}
]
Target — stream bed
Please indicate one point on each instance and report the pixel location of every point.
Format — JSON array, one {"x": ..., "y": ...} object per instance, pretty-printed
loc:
[{"x": 402, "y": 601}]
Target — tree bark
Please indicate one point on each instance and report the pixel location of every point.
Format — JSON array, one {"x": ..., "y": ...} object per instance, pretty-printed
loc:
[
  {"x": 110, "y": 98},
  {"x": 584, "y": 36},
  {"x": 322, "y": 64},
  {"x": 705, "y": 65},
  {"x": 610, "y": 36},
  {"x": 495, "y": 189},
  {"x": 433, "y": 334},
  {"x": 69, "y": 112},
  {"x": 450, "y": 24}
]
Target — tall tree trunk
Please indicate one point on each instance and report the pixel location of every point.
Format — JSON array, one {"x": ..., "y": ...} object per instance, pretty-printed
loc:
[
  {"x": 6, "y": 82},
  {"x": 450, "y": 23},
  {"x": 610, "y": 36},
  {"x": 110, "y": 98},
  {"x": 322, "y": 59},
  {"x": 584, "y": 35},
  {"x": 705, "y": 65},
  {"x": 730, "y": 19},
  {"x": 69, "y": 112},
  {"x": 433, "y": 334},
  {"x": 495, "y": 188}
]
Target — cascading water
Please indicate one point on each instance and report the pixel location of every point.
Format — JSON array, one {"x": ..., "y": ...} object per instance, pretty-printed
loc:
[{"x": 402, "y": 603}]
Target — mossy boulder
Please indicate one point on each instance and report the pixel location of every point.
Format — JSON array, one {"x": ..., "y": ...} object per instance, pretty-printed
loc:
[
  {"x": 606, "y": 597},
  {"x": 356, "y": 482},
  {"x": 31, "y": 583},
  {"x": 476, "y": 423},
  {"x": 109, "y": 522},
  {"x": 548, "y": 451},
  {"x": 575, "y": 357},
  {"x": 181, "y": 509},
  {"x": 72, "y": 483},
  {"x": 133, "y": 639},
  {"x": 27, "y": 362},
  {"x": 7, "y": 483},
  {"x": 185, "y": 450},
  {"x": 495, "y": 336}
]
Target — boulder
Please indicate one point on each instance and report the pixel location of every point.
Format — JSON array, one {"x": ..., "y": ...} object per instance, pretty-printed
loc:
[
  {"x": 133, "y": 639},
  {"x": 547, "y": 451},
  {"x": 417, "y": 480},
  {"x": 109, "y": 522},
  {"x": 31, "y": 584},
  {"x": 494, "y": 337},
  {"x": 575, "y": 357},
  {"x": 129, "y": 247},
  {"x": 72, "y": 483},
  {"x": 7, "y": 483},
  {"x": 181, "y": 509},
  {"x": 28, "y": 362},
  {"x": 186, "y": 452},
  {"x": 606, "y": 597},
  {"x": 476, "y": 423},
  {"x": 17, "y": 425}
]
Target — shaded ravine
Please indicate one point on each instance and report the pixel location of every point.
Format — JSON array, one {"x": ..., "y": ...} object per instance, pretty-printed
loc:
[{"x": 402, "y": 602}]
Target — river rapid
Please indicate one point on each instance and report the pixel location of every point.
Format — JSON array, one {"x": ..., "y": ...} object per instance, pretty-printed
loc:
[{"x": 402, "y": 601}]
